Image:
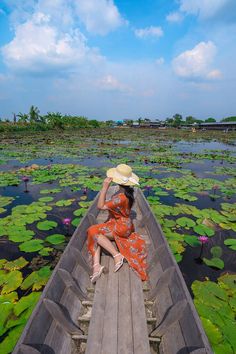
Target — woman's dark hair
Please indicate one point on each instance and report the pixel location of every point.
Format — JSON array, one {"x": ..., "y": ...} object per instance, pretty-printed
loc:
[{"x": 129, "y": 192}]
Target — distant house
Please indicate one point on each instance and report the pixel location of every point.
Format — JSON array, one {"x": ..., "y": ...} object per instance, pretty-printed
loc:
[
  {"x": 216, "y": 126},
  {"x": 148, "y": 124}
]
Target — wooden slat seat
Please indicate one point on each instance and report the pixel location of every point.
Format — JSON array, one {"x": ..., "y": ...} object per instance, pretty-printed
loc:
[{"x": 118, "y": 320}]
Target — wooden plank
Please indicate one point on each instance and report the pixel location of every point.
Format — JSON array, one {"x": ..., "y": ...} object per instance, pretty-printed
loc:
[
  {"x": 109, "y": 337},
  {"x": 172, "y": 316},
  {"x": 125, "y": 328},
  {"x": 95, "y": 331},
  {"x": 140, "y": 332}
]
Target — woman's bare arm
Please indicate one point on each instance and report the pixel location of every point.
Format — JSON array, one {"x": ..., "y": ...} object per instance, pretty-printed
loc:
[{"x": 102, "y": 196}]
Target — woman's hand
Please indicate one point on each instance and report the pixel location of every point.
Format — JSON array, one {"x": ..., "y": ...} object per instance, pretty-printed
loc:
[{"x": 106, "y": 182}]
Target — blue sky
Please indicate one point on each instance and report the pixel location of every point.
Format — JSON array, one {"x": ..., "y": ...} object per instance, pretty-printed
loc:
[{"x": 116, "y": 59}]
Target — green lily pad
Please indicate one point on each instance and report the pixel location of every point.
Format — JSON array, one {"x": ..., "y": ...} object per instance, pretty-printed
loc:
[
  {"x": 46, "y": 225},
  {"x": 75, "y": 222},
  {"x": 64, "y": 202},
  {"x": 16, "y": 264},
  {"x": 21, "y": 236},
  {"x": 47, "y": 191},
  {"x": 8, "y": 343},
  {"x": 184, "y": 221},
  {"x": 31, "y": 246},
  {"x": 214, "y": 262},
  {"x": 10, "y": 281},
  {"x": 192, "y": 240},
  {"x": 45, "y": 251},
  {"x": 80, "y": 212},
  {"x": 46, "y": 199},
  {"x": 25, "y": 302},
  {"x": 203, "y": 230},
  {"x": 37, "y": 279},
  {"x": 231, "y": 242},
  {"x": 55, "y": 239}
]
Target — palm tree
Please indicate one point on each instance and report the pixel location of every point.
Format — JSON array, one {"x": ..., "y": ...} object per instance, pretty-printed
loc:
[
  {"x": 23, "y": 117},
  {"x": 34, "y": 114}
]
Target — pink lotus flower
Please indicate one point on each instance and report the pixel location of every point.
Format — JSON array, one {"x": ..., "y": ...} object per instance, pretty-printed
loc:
[
  {"x": 203, "y": 239},
  {"x": 66, "y": 221},
  {"x": 25, "y": 179},
  {"x": 215, "y": 187}
]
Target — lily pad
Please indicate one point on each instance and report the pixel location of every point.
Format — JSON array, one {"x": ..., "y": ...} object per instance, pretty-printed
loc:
[
  {"x": 203, "y": 230},
  {"x": 31, "y": 246},
  {"x": 64, "y": 202},
  {"x": 55, "y": 239},
  {"x": 46, "y": 225},
  {"x": 46, "y": 199},
  {"x": 184, "y": 221},
  {"x": 231, "y": 242},
  {"x": 37, "y": 279}
]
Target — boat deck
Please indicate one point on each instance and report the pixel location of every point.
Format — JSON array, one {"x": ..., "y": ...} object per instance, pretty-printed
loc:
[{"x": 120, "y": 314}]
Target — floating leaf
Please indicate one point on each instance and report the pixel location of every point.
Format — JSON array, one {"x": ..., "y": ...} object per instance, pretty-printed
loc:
[
  {"x": 46, "y": 199},
  {"x": 216, "y": 251},
  {"x": 213, "y": 333},
  {"x": 8, "y": 343},
  {"x": 214, "y": 262},
  {"x": 25, "y": 302},
  {"x": 10, "y": 281},
  {"x": 76, "y": 221},
  {"x": 45, "y": 251},
  {"x": 184, "y": 221},
  {"x": 64, "y": 202},
  {"x": 37, "y": 279},
  {"x": 203, "y": 230},
  {"x": 16, "y": 264},
  {"x": 192, "y": 240},
  {"x": 31, "y": 246},
  {"x": 80, "y": 212},
  {"x": 46, "y": 225},
  {"x": 55, "y": 239},
  {"x": 231, "y": 242}
]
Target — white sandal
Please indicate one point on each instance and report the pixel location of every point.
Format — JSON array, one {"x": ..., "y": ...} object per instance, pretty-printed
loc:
[
  {"x": 120, "y": 263},
  {"x": 96, "y": 275}
]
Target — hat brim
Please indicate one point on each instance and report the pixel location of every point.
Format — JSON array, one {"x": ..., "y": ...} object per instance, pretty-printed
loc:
[{"x": 112, "y": 173}]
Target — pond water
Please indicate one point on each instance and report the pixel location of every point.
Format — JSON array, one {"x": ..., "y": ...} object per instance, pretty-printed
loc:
[{"x": 199, "y": 174}]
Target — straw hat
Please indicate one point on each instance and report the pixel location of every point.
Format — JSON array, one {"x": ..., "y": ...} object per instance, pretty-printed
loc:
[{"x": 122, "y": 174}]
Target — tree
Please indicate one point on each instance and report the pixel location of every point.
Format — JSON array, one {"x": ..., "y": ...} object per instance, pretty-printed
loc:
[
  {"x": 23, "y": 117},
  {"x": 109, "y": 123},
  {"x": 94, "y": 123},
  {"x": 34, "y": 115},
  {"x": 210, "y": 120},
  {"x": 190, "y": 120},
  {"x": 177, "y": 120},
  {"x": 229, "y": 119},
  {"x": 54, "y": 119},
  {"x": 140, "y": 120}
]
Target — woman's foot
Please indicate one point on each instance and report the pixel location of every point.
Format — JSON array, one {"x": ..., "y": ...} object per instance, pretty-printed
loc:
[
  {"x": 119, "y": 259},
  {"x": 97, "y": 271}
]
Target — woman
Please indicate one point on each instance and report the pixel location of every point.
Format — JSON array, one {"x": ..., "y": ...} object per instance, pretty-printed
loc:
[{"x": 119, "y": 226}]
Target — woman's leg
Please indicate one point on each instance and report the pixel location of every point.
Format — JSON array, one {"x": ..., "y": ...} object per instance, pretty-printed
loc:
[{"x": 107, "y": 244}]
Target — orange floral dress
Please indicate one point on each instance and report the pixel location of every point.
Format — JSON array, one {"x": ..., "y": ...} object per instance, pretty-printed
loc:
[{"x": 130, "y": 244}]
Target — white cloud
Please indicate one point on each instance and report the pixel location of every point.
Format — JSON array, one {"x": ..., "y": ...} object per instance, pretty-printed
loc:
[
  {"x": 111, "y": 83},
  {"x": 149, "y": 32},
  {"x": 204, "y": 8},
  {"x": 195, "y": 63},
  {"x": 176, "y": 17},
  {"x": 99, "y": 16},
  {"x": 214, "y": 74},
  {"x": 37, "y": 44}
]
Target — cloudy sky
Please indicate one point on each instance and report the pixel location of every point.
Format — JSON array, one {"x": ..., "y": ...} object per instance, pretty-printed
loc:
[{"x": 115, "y": 59}]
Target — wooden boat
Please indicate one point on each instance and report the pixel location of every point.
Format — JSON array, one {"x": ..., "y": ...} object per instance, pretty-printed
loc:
[{"x": 120, "y": 314}]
